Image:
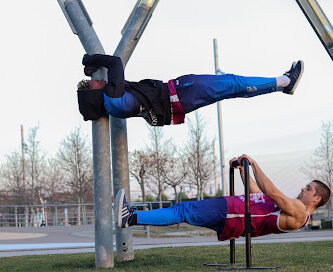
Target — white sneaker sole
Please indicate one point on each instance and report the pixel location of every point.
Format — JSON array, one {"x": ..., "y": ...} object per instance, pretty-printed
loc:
[
  {"x": 119, "y": 206},
  {"x": 298, "y": 79}
]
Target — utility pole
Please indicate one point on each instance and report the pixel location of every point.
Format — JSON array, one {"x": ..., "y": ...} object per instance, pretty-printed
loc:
[
  {"x": 219, "y": 118},
  {"x": 131, "y": 32},
  {"x": 81, "y": 25}
]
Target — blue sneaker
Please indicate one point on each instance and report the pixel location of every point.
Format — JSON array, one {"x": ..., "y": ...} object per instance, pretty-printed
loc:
[
  {"x": 295, "y": 74},
  {"x": 122, "y": 212}
]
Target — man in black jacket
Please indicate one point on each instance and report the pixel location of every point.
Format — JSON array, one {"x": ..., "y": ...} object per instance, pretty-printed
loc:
[{"x": 167, "y": 103}]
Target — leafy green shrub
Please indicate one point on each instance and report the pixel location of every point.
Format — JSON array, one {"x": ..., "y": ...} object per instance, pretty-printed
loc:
[
  {"x": 149, "y": 198},
  {"x": 326, "y": 224}
]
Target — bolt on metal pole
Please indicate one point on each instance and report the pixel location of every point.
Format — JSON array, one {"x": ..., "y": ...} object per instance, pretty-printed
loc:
[
  {"x": 319, "y": 22},
  {"x": 219, "y": 118},
  {"x": 81, "y": 25},
  {"x": 132, "y": 32}
]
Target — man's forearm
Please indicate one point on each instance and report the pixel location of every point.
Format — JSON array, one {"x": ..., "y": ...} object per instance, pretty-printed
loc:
[
  {"x": 263, "y": 182},
  {"x": 253, "y": 186}
]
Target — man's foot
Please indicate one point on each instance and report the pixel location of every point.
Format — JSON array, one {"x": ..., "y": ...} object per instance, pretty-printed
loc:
[
  {"x": 122, "y": 212},
  {"x": 294, "y": 74}
]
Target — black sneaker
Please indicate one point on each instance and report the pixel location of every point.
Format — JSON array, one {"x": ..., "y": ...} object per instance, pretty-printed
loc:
[
  {"x": 295, "y": 74},
  {"x": 123, "y": 211}
]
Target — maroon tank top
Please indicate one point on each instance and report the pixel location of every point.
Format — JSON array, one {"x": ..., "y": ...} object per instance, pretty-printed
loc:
[{"x": 264, "y": 217}]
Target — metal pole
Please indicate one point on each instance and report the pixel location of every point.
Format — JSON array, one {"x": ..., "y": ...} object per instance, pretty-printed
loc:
[
  {"x": 126, "y": 46},
  {"x": 219, "y": 118},
  {"x": 81, "y": 25},
  {"x": 66, "y": 216},
  {"x": 56, "y": 216},
  {"x": 247, "y": 214},
  {"x": 232, "y": 193},
  {"x": 319, "y": 22},
  {"x": 26, "y": 212},
  {"x": 16, "y": 222}
]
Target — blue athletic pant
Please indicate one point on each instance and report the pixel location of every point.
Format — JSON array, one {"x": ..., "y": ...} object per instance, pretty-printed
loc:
[
  {"x": 196, "y": 91},
  {"x": 209, "y": 213}
]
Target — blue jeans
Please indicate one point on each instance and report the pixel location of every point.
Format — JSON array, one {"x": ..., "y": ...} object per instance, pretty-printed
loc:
[
  {"x": 209, "y": 213},
  {"x": 196, "y": 91}
]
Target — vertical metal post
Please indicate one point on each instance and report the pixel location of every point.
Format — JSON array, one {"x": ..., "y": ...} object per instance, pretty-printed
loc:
[
  {"x": 66, "y": 216},
  {"x": 26, "y": 213},
  {"x": 135, "y": 26},
  {"x": 247, "y": 214},
  {"x": 232, "y": 193},
  {"x": 84, "y": 215},
  {"x": 56, "y": 216},
  {"x": 81, "y": 25},
  {"x": 219, "y": 118},
  {"x": 16, "y": 222},
  {"x": 319, "y": 22}
]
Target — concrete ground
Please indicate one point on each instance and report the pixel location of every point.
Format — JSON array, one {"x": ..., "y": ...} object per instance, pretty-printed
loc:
[{"x": 58, "y": 240}]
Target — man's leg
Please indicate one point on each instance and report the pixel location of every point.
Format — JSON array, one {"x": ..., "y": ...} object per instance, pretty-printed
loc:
[
  {"x": 196, "y": 91},
  {"x": 205, "y": 213}
]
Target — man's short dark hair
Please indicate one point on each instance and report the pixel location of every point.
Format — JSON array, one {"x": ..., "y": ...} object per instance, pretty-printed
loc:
[
  {"x": 83, "y": 84},
  {"x": 323, "y": 191}
]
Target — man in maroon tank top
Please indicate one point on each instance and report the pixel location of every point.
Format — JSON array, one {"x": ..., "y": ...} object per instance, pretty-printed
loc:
[{"x": 271, "y": 210}]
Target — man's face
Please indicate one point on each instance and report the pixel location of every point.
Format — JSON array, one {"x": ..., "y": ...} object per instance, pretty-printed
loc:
[
  {"x": 308, "y": 194},
  {"x": 97, "y": 84}
]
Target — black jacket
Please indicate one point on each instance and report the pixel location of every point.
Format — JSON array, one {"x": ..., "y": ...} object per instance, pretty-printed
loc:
[{"x": 153, "y": 94}]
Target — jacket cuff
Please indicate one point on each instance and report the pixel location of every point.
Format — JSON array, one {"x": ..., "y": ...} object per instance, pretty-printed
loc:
[{"x": 91, "y": 104}]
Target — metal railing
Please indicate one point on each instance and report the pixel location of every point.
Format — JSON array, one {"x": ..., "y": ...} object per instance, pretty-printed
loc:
[{"x": 62, "y": 215}]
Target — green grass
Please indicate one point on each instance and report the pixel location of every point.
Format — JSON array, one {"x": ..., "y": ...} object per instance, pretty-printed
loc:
[{"x": 314, "y": 256}]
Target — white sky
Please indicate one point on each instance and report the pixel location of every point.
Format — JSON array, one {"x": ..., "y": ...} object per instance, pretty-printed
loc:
[{"x": 41, "y": 65}]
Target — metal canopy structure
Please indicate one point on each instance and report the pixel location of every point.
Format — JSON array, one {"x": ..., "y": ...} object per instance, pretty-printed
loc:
[{"x": 319, "y": 22}]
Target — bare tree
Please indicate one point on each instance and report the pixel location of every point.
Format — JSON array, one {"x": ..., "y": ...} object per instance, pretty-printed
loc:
[
  {"x": 139, "y": 164},
  {"x": 54, "y": 177},
  {"x": 75, "y": 158},
  {"x": 198, "y": 154},
  {"x": 320, "y": 165},
  {"x": 11, "y": 175},
  {"x": 35, "y": 167},
  {"x": 175, "y": 171},
  {"x": 157, "y": 157}
]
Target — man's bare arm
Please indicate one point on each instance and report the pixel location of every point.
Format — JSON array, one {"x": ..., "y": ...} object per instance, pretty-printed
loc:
[
  {"x": 253, "y": 185},
  {"x": 288, "y": 205}
]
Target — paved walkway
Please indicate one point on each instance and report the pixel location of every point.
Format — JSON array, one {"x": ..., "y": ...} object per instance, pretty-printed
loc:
[{"x": 58, "y": 240}]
